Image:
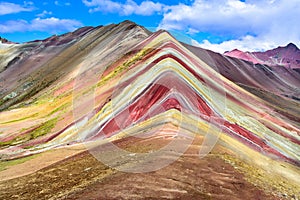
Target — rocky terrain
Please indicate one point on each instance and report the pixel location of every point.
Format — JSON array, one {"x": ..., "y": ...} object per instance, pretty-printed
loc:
[
  {"x": 119, "y": 112},
  {"x": 288, "y": 56}
]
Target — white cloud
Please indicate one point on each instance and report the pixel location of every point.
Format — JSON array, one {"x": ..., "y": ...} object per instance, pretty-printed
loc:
[
  {"x": 253, "y": 24},
  {"x": 246, "y": 43},
  {"x": 57, "y": 3},
  {"x": 218, "y": 16},
  {"x": 10, "y": 8},
  {"x": 146, "y": 8},
  {"x": 44, "y": 13},
  {"x": 14, "y": 26},
  {"x": 51, "y": 25},
  {"x": 28, "y": 3}
]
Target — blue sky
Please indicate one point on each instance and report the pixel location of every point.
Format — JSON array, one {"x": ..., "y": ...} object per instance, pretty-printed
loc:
[{"x": 218, "y": 25}]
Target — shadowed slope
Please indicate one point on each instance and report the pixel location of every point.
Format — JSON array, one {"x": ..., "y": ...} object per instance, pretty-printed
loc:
[{"x": 271, "y": 84}]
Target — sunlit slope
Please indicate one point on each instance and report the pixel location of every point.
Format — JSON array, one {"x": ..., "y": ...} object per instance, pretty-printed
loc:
[
  {"x": 119, "y": 81},
  {"x": 30, "y": 67},
  {"x": 47, "y": 109}
]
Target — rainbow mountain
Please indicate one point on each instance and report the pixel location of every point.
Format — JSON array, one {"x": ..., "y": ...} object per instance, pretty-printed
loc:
[{"x": 98, "y": 89}]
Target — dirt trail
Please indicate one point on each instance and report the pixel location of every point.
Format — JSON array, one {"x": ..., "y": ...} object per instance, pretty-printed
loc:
[{"x": 84, "y": 177}]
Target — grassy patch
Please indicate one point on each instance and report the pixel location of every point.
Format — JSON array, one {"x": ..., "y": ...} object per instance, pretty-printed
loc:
[
  {"x": 60, "y": 108},
  {"x": 17, "y": 140},
  {"x": 5, "y": 164},
  {"x": 5, "y": 143},
  {"x": 21, "y": 119},
  {"x": 44, "y": 128},
  {"x": 124, "y": 66}
]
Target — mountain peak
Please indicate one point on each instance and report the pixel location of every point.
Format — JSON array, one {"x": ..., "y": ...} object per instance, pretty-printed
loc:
[
  {"x": 125, "y": 22},
  {"x": 287, "y": 56},
  {"x": 5, "y": 41},
  {"x": 233, "y": 51},
  {"x": 292, "y": 46},
  {"x": 236, "y": 50}
]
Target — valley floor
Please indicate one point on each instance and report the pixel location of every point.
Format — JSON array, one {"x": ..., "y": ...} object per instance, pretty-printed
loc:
[{"x": 219, "y": 175}]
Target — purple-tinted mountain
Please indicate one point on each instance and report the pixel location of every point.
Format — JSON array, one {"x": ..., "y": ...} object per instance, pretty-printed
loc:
[{"x": 288, "y": 56}]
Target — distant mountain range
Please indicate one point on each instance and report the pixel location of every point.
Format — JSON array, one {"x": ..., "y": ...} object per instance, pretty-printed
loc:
[{"x": 288, "y": 56}]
